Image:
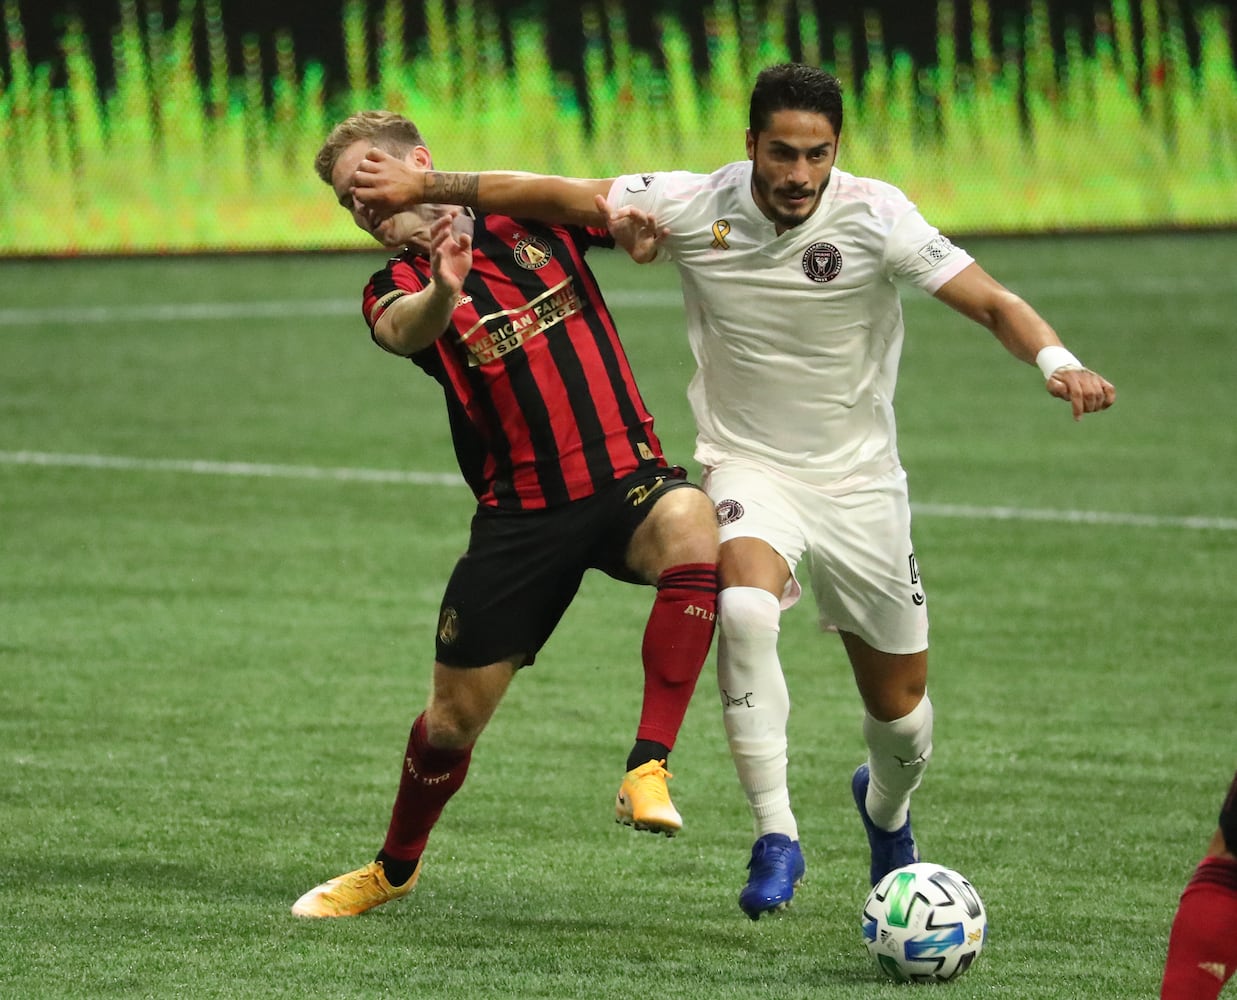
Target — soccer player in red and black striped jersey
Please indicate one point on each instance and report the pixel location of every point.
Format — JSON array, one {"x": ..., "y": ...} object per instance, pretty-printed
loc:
[
  {"x": 556, "y": 443},
  {"x": 1202, "y": 947}
]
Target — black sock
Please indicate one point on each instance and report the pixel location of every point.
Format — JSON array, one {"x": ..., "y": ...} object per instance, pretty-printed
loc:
[
  {"x": 397, "y": 870},
  {"x": 645, "y": 751}
]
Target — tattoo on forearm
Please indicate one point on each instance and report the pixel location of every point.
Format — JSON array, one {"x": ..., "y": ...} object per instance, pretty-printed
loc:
[{"x": 451, "y": 189}]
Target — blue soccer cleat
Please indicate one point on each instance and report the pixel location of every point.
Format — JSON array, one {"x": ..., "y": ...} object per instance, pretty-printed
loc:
[
  {"x": 776, "y": 870},
  {"x": 890, "y": 849}
]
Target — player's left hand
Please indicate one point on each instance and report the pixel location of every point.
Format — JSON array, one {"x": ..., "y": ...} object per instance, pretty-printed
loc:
[
  {"x": 1087, "y": 391},
  {"x": 634, "y": 230},
  {"x": 385, "y": 184},
  {"x": 451, "y": 250}
]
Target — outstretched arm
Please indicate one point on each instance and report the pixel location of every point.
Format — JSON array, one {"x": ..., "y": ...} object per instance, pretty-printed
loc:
[
  {"x": 1028, "y": 337},
  {"x": 385, "y": 185}
]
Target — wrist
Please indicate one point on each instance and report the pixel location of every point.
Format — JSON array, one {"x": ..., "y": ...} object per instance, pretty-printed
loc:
[
  {"x": 1054, "y": 358},
  {"x": 440, "y": 289}
]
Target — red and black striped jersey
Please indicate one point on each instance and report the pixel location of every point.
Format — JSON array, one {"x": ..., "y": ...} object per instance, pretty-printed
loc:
[{"x": 543, "y": 405}]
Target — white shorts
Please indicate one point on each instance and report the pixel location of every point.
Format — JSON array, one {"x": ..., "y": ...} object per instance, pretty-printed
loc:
[{"x": 856, "y": 547}]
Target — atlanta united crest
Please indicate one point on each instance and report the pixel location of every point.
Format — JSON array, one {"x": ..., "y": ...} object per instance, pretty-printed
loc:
[
  {"x": 533, "y": 253},
  {"x": 448, "y": 626},
  {"x": 822, "y": 262}
]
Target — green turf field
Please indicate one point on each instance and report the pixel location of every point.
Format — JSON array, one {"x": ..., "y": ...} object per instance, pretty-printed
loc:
[{"x": 216, "y": 622}]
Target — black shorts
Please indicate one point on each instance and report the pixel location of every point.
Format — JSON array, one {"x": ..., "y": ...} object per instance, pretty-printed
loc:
[
  {"x": 1228, "y": 818},
  {"x": 509, "y": 590}
]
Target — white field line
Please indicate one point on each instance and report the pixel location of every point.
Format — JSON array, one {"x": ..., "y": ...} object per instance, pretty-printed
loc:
[
  {"x": 970, "y": 512},
  {"x": 259, "y": 470},
  {"x": 286, "y": 309},
  {"x": 1110, "y": 288},
  {"x": 412, "y": 478}
]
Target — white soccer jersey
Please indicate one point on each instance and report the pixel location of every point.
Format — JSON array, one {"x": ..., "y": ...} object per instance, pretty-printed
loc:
[{"x": 796, "y": 337}]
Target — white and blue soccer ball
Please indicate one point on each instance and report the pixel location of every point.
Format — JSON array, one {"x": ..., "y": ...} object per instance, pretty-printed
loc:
[{"x": 924, "y": 923}]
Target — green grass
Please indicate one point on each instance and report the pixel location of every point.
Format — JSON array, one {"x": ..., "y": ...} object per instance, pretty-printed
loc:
[{"x": 208, "y": 679}]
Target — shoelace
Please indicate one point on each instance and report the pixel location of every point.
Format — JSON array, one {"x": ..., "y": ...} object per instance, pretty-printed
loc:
[
  {"x": 770, "y": 855},
  {"x": 362, "y": 879},
  {"x": 656, "y": 789}
]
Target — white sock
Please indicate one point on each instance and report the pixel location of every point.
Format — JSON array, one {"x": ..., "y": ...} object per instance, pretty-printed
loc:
[
  {"x": 755, "y": 703},
  {"x": 898, "y": 752}
]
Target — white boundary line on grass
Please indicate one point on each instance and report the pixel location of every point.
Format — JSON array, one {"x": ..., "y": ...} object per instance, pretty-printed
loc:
[
  {"x": 168, "y": 312},
  {"x": 1073, "y": 516},
  {"x": 656, "y": 298},
  {"x": 399, "y": 476},
  {"x": 203, "y": 467}
]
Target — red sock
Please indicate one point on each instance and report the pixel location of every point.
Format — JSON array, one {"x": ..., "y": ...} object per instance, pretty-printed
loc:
[
  {"x": 676, "y": 643},
  {"x": 430, "y": 777},
  {"x": 1202, "y": 947}
]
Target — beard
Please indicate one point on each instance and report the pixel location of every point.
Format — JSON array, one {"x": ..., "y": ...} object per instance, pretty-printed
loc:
[{"x": 770, "y": 196}]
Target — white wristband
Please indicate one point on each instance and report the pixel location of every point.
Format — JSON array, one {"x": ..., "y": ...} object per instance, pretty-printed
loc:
[{"x": 1053, "y": 359}]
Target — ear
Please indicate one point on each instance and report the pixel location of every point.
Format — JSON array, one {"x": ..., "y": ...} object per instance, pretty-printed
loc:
[
  {"x": 751, "y": 145},
  {"x": 419, "y": 157}
]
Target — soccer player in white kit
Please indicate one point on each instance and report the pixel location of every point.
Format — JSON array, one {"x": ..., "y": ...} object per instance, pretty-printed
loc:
[{"x": 787, "y": 266}]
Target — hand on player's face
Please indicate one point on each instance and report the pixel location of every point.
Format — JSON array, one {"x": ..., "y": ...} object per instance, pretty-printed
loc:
[
  {"x": 384, "y": 184},
  {"x": 391, "y": 229}
]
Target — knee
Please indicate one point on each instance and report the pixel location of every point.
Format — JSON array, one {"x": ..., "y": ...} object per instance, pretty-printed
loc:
[
  {"x": 897, "y": 701},
  {"x": 747, "y": 615},
  {"x": 449, "y": 726},
  {"x": 684, "y": 528}
]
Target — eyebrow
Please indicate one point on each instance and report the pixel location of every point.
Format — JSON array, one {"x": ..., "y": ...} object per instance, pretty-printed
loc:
[{"x": 783, "y": 145}]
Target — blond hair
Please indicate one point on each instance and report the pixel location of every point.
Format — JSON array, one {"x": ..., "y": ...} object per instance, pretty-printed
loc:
[{"x": 385, "y": 129}]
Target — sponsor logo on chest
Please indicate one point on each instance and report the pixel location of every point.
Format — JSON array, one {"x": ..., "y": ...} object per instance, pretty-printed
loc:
[{"x": 502, "y": 332}]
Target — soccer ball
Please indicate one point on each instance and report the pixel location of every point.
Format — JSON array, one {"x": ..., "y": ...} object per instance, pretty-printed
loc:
[{"x": 924, "y": 923}]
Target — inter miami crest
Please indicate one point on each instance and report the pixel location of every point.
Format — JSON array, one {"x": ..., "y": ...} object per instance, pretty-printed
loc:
[
  {"x": 728, "y": 511},
  {"x": 822, "y": 262}
]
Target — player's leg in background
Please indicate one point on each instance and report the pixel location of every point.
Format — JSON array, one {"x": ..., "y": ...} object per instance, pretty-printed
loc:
[
  {"x": 897, "y": 728},
  {"x": 868, "y": 587},
  {"x": 897, "y": 725}
]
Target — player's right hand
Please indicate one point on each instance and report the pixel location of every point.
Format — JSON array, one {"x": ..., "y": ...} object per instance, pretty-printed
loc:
[{"x": 1085, "y": 390}]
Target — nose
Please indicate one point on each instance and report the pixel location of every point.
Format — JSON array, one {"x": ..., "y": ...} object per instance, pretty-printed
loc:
[{"x": 799, "y": 174}]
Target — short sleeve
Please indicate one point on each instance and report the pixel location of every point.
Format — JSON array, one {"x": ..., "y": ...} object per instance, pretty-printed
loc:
[{"x": 917, "y": 252}]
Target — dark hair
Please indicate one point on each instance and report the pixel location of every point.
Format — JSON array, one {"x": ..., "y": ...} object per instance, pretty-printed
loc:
[
  {"x": 795, "y": 87},
  {"x": 388, "y": 131}
]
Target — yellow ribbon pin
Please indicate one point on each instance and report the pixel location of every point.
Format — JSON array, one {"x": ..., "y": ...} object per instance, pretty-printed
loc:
[{"x": 721, "y": 229}]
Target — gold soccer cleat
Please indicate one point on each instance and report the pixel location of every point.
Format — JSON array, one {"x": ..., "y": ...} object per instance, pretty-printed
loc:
[
  {"x": 644, "y": 802},
  {"x": 353, "y": 893}
]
